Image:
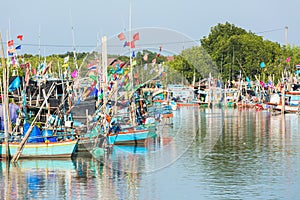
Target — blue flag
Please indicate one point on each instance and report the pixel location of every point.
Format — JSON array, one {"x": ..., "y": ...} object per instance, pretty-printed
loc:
[
  {"x": 15, "y": 84},
  {"x": 18, "y": 47}
]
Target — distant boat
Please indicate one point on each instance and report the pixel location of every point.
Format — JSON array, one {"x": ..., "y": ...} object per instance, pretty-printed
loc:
[{"x": 291, "y": 104}]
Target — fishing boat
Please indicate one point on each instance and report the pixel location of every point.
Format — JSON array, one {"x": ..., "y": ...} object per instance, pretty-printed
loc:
[
  {"x": 291, "y": 102},
  {"x": 128, "y": 136},
  {"x": 61, "y": 149}
]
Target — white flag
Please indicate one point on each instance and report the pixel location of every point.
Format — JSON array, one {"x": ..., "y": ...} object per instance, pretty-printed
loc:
[{"x": 66, "y": 59}]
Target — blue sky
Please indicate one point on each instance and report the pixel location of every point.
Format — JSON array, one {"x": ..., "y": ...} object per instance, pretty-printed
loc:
[{"x": 53, "y": 19}]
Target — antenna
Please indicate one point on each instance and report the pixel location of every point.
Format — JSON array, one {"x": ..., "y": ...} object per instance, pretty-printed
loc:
[
  {"x": 73, "y": 38},
  {"x": 286, "y": 35}
]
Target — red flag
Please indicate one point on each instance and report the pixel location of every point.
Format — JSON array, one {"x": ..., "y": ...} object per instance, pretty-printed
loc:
[
  {"x": 130, "y": 44},
  {"x": 10, "y": 43},
  {"x": 136, "y": 36},
  {"x": 47, "y": 67},
  {"x": 20, "y": 37},
  {"x": 121, "y": 36}
]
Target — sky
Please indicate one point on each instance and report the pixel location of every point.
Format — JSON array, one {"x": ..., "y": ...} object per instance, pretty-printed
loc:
[{"x": 46, "y": 25}]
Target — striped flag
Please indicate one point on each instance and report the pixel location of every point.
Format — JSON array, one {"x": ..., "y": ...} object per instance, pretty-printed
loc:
[{"x": 92, "y": 68}]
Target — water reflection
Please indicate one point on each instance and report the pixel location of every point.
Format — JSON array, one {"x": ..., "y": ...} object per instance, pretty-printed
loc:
[{"x": 234, "y": 154}]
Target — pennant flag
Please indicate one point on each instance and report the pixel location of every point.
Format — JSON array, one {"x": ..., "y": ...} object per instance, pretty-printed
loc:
[
  {"x": 133, "y": 63},
  {"x": 27, "y": 76},
  {"x": 66, "y": 59},
  {"x": 92, "y": 68},
  {"x": 65, "y": 65},
  {"x": 47, "y": 67},
  {"x": 18, "y": 47},
  {"x": 10, "y": 43},
  {"x": 145, "y": 57},
  {"x": 13, "y": 60},
  {"x": 12, "y": 50},
  {"x": 298, "y": 66},
  {"x": 10, "y": 53},
  {"x": 33, "y": 71},
  {"x": 288, "y": 59},
  {"x": 121, "y": 36},
  {"x": 122, "y": 64},
  {"x": 130, "y": 44},
  {"x": 74, "y": 74},
  {"x": 20, "y": 37},
  {"x": 115, "y": 60},
  {"x": 136, "y": 36},
  {"x": 93, "y": 77},
  {"x": 126, "y": 44},
  {"x": 15, "y": 84},
  {"x": 262, "y": 65}
]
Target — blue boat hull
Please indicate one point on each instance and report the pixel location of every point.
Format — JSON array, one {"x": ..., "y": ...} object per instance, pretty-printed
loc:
[
  {"x": 129, "y": 137},
  {"x": 42, "y": 150}
]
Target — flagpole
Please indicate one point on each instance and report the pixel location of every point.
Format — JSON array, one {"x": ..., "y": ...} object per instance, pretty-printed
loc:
[{"x": 130, "y": 56}]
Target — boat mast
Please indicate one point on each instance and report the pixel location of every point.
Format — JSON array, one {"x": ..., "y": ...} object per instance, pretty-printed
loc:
[{"x": 4, "y": 98}]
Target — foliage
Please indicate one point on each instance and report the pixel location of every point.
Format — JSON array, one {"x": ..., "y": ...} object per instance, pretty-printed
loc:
[{"x": 235, "y": 51}]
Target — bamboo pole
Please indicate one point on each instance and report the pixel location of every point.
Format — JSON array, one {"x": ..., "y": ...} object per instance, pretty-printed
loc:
[
  {"x": 21, "y": 146},
  {"x": 5, "y": 96}
]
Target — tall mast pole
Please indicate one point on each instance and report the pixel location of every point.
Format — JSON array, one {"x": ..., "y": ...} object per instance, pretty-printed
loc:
[
  {"x": 286, "y": 35},
  {"x": 130, "y": 56}
]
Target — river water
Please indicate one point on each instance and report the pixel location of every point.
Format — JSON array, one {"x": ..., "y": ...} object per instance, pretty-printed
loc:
[{"x": 204, "y": 154}]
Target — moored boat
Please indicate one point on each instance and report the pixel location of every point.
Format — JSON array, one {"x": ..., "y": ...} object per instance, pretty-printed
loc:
[{"x": 61, "y": 149}]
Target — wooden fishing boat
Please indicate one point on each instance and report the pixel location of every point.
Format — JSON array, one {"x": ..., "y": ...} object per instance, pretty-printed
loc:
[
  {"x": 291, "y": 102},
  {"x": 61, "y": 149},
  {"x": 129, "y": 136}
]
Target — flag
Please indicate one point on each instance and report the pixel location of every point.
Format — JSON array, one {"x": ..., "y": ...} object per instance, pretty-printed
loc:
[
  {"x": 115, "y": 60},
  {"x": 18, "y": 47},
  {"x": 74, "y": 74},
  {"x": 65, "y": 65},
  {"x": 121, "y": 36},
  {"x": 20, "y": 37},
  {"x": 133, "y": 54},
  {"x": 15, "y": 84},
  {"x": 298, "y": 66},
  {"x": 126, "y": 44},
  {"x": 133, "y": 63},
  {"x": 10, "y": 43},
  {"x": 10, "y": 53},
  {"x": 130, "y": 44},
  {"x": 136, "y": 36},
  {"x": 47, "y": 67},
  {"x": 12, "y": 50},
  {"x": 145, "y": 57},
  {"x": 93, "y": 77},
  {"x": 66, "y": 59},
  {"x": 92, "y": 68},
  {"x": 288, "y": 59}
]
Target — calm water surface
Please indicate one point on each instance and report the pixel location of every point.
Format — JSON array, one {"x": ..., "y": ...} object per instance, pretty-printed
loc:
[{"x": 206, "y": 154}]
